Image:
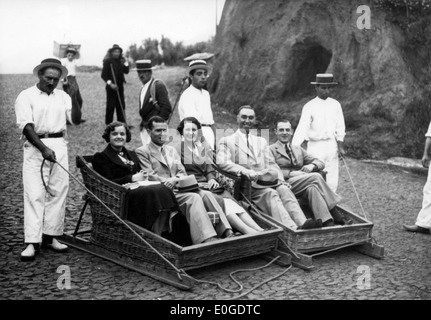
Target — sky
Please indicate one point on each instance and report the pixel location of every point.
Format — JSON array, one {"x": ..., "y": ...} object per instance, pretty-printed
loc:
[{"x": 28, "y": 28}]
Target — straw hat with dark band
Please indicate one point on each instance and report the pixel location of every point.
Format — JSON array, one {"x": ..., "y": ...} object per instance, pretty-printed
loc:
[
  {"x": 267, "y": 180},
  {"x": 188, "y": 184},
  {"x": 198, "y": 64},
  {"x": 50, "y": 63},
  {"x": 324, "y": 79},
  {"x": 143, "y": 65}
]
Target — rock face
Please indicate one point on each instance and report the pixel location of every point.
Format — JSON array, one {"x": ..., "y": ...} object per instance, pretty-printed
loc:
[{"x": 267, "y": 52}]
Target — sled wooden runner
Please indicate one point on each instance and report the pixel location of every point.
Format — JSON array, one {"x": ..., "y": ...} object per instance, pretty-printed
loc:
[{"x": 111, "y": 240}]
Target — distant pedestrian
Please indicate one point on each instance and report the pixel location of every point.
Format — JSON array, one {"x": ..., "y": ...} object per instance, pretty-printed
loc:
[
  {"x": 41, "y": 113},
  {"x": 70, "y": 85},
  {"x": 322, "y": 127},
  {"x": 195, "y": 100},
  {"x": 153, "y": 97},
  {"x": 423, "y": 220},
  {"x": 114, "y": 68}
]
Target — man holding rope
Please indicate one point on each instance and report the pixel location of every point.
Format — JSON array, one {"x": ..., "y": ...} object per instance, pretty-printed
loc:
[
  {"x": 42, "y": 112},
  {"x": 114, "y": 68}
]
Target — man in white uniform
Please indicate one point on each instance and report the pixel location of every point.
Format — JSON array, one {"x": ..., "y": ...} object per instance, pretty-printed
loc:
[
  {"x": 42, "y": 112},
  {"x": 195, "y": 100},
  {"x": 423, "y": 220},
  {"x": 322, "y": 127}
]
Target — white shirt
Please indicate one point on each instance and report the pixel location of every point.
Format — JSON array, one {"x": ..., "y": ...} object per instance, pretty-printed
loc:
[
  {"x": 320, "y": 120},
  {"x": 70, "y": 65},
  {"x": 196, "y": 103},
  {"x": 144, "y": 91},
  {"x": 48, "y": 113}
]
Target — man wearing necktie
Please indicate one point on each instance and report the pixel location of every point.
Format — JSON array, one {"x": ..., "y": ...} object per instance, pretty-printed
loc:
[
  {"x": 300, "y": 170},
  {"x": 164, "y": 164},
  {"x": 244, "y": 153}
]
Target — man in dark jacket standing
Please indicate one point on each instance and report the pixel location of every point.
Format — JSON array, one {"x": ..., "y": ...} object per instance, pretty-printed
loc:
[
  {"x": 153, "y": 98},
  {"x": 114, "y": 68}
]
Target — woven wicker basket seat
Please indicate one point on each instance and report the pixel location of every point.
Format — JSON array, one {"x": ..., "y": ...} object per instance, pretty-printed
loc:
[{"x": 112, "y": 240}]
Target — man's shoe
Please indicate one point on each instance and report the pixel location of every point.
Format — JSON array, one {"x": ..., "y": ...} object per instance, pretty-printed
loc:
[
  {"x": 415, "y": 228},
  {"x": 311, "y": 224},
  {"x": 56, "y": 246},
  {"x": 337, "y": 215},
  {"x": 328, "y": 223},
  {"x": 29, "y": 253},
  {"x": 228, "y": 233}
]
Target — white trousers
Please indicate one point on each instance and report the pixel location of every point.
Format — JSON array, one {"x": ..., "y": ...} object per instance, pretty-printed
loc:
[
  {"x": 424, "y": 217},
  {"x": 44, "y": 213},
  {"x": 327, "y": 151}
]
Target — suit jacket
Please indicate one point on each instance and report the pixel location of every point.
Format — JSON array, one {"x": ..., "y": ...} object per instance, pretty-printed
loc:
[
  {"x": 287, "y": 164},
  {"x": 149, "y": 109},
  {"x": 109, "y": 165},
  {"x": 233, "y": 154},
  {"x": 119, "y": 70},
  {"x": 151, "y": 159}
]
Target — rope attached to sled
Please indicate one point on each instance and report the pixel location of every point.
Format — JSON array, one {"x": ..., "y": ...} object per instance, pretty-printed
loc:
[
  {"x": 180, "y": 272},
  {"x": 48, "y": 190},
  {"x": 240, "y": 285},
  {"x": 354, "y": 189}
]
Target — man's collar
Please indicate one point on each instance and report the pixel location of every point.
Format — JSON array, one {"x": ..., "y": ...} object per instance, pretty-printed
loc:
[
  {"x": 41, "y": 92},
  {"x": 148, "y": 82},
  {"x": 157, "y": 146}
]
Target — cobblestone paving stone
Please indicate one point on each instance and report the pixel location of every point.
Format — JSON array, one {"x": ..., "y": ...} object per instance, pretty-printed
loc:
[{"x": 390, "y": 196}]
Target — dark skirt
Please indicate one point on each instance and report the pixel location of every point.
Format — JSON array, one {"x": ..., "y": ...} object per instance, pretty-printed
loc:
[{"x": 148, "y": 203}]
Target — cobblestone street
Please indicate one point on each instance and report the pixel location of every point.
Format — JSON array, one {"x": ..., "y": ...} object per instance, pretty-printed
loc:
[{"x": 391, "y": 196}]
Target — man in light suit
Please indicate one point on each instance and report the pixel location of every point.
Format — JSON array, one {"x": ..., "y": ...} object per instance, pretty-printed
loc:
[
  {"x": 300, "y": 170},
  {"x": 152, "y": 101},
  {"x": 164, "y": 165},
  {"x": 247, "y": 154}
]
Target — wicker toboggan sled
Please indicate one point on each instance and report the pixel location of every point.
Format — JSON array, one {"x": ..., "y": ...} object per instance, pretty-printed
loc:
[
  {"x": 303, "y": 245},
  {"x": 158, "y": 257}
]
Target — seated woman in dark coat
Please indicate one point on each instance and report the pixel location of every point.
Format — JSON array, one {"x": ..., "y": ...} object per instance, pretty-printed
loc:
[
  {"x": 196, "y": 157},
  {"x": 151, "y": 207}
]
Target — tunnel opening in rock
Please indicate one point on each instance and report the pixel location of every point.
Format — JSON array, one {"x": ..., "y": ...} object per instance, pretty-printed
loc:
[{"x": 308, "y": 60}]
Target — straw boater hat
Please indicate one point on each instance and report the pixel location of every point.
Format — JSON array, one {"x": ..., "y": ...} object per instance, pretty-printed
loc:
[
  {"x": 267, "y": 180},
  {"x": 53, "y": 63},
  {"x": 325, "y": 78},
  {"x": 198, "y": 64},
  {"x": 143, "y": 65},
  {"x": 188, "y": 184}
]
